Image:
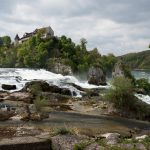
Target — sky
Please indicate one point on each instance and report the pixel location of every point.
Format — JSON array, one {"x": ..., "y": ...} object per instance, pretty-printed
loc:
[{"x": 113, "y": 26}]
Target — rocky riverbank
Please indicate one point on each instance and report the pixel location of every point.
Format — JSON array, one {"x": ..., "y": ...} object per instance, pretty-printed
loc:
[
  {"x": 31, "y": 138},
  {"x": 89, "y": 122}
]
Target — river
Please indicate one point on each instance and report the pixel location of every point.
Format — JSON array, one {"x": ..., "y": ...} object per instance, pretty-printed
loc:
[{"x": 21, "y": 76}]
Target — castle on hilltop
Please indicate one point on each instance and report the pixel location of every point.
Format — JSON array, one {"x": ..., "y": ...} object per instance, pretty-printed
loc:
[{"x": 45, "y": 32}]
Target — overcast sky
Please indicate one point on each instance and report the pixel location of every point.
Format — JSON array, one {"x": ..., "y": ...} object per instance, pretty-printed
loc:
[{"x": 113, "y": 26}]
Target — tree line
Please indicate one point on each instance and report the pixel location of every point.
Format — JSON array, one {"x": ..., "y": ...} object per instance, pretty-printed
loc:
[{"x": 37, "y": 52}]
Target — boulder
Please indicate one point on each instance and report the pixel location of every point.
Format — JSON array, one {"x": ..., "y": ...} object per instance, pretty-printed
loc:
[
  {"x": 96, "y": 76},
  {"x": 142, "y": 137},
  {"x": 136, "y": 146},
  {"x": 95, "y": 146},
  {"x": 111, "y": 138},
  {"x": 140, "y": 146},
  {"x": 58, "y": 66},
  {"x": 36, "y": 85},
  {"x": 43, "y": 86},
  {"x": 65, "y": 142},
  {"x": 8, "y": 87},
  {"x": 118, "y": 70}
]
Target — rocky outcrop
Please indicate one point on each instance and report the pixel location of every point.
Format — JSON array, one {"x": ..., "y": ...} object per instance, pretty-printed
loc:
[
  {"x": 118, "y": 70},
  {"x": 8, "y": 87},
  {"x": 95, "y": 146},
  {"x": 111, "y": 138},
  {"x": 58, "y": 66},
  {"x": 96, "y": 76},
  {"x": 45, "y": 87},
  {"x": 61, "y": 69},
  {"x": 65, "y": 142},
  {"x": 20, "y": 96}
]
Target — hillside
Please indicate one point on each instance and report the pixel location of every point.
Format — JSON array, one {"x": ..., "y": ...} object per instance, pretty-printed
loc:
[{"x": 140, "y": 60}]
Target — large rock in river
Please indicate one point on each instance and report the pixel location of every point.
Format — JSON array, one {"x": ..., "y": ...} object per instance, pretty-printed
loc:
[
  {"x": 45, "y": 87},
  {"x": 8, "y": 87},
  {"x": 96, "y": 76},
  {"x": 118, "y": 70},
  {"x": 122, "y": 70}
]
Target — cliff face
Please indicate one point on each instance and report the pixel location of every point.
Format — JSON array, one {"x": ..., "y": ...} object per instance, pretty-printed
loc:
[
  {"x": 58, "y": 66},
  {"x": 61, "y": 69}
]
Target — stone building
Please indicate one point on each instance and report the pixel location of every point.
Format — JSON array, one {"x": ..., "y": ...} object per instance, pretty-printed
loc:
[{"x": 45, "y": 32}]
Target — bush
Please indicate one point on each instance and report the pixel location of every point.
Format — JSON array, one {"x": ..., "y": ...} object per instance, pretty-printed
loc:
[
  {"x": 143, "y": 84},
  {"x": 35, "y": 89},
  {"x": 63, "y": 131},
  {"x": 39, "y": 103},
  {"x": 80, "y": 146},
  {"x": 121, "y": 94}
]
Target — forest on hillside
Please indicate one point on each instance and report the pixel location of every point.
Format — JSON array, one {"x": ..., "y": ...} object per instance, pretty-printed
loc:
[
  {"x": 37, "y": 52},
  {"x": 140, "y": 60}
]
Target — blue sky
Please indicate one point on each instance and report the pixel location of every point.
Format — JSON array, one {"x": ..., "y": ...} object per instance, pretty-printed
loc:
[{"x": 113, "y": 26}]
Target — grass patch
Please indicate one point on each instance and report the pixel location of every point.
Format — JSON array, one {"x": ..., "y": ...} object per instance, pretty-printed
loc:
[
  {"x": 101, "y": 142},
  {"x": 146, "y": 141},
  {"x": 80, "y": 146},
  {"x": 63, "y": 131}
]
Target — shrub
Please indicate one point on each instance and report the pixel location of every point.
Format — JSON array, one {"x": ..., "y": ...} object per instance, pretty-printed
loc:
[
  {"x": 143, "y": 84},
  {"x": 63, "y": 131},
  {"x": 80, "y": 146},
  {"x": 121, "y": 93},
  {"x": 35, "y": 89},
  {"x": 39, "y": 103}
]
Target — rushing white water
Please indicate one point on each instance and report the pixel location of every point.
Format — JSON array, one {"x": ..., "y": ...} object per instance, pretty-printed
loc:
[
  {"x": 144, "y": 98},
  {"x": 19, "y": 77}
]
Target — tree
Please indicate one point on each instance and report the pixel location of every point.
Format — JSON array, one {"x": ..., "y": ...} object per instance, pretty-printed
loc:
[
  {"x": 83, "y": 43},
  {"x": 6, "y": 40},
  {"x": 108, "y": 62}
]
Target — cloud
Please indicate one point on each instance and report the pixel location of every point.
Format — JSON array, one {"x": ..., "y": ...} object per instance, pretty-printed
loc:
[{"x": 115, "y": 27}]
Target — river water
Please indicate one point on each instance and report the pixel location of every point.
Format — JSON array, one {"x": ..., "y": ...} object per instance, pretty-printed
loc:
[{"x": 21, "y": 76}]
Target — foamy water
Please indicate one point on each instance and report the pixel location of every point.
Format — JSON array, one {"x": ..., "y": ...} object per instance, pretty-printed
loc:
[
  {"x": 144, "y": 98},
  {"x": 21, "y": 76}
]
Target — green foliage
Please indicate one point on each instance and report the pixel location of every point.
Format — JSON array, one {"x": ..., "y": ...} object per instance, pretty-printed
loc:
[
  {"x": 63, "y": 131},
  {"x": 5, "y": 41},
  {"x": 140, "y": 60},
  {"x": 108, "y": 62},
  {"x": 37, "y": 52},
  {"x": 143, "y": 84},
  {"x": 121, "y": 94},
  {"x": 39, "y": 103},
  {"x": 80, "y": 146},
  {"x": 35, "y": 89},
  {"x": 127, "y": 72},
  {"x": 146, "y": 141}
]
